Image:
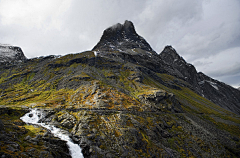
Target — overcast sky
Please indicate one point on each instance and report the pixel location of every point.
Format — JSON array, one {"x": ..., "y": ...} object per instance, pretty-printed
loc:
[{"x": 205, "y": 33}]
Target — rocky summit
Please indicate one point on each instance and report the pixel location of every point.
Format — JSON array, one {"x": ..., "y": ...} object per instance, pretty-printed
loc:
[
  {"x": 9, "y": 53},
  {"x": 121, "y": 37},
  {"x": 121, "y": 99}
]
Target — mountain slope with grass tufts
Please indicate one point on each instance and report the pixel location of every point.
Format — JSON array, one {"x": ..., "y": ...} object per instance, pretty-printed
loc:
[
  {"x": 122, "y": 99},
  {"x": 218, "y": 92}
]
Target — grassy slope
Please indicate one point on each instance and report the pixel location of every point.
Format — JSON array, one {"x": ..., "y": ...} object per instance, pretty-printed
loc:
[{"x": 40, "y": 85}]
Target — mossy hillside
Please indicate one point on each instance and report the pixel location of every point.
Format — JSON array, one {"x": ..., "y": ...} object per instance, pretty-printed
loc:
[
  {"x": 98, "y": 96},
  {"x": 65, "y": 59},
  {"x": 148, "y": 133},
  {"x": 195, "y": 103},
  {"x": 26, "y": 87},
  {"x": 107, "y": 92},
  {"x": 47, "y": 89},
  {"x": 133, "y": 87}
]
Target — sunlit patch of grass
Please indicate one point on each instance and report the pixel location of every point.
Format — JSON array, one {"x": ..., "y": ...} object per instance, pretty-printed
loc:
[{"x": 34, "y": 129}]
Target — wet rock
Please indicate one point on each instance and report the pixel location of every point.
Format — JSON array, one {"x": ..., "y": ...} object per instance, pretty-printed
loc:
[
  {"x": 47, "y": 134},
  {"x": 1, "y": 125}
]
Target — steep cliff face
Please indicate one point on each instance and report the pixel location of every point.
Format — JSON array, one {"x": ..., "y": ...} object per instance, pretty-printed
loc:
[
  {"x": 126, "y": 100},
  {"x": 218, "y": 92},
  {"x": 10, "y": 53},
  {"x": 121, "y": 37},
  {"x": 187, "y": 71}
]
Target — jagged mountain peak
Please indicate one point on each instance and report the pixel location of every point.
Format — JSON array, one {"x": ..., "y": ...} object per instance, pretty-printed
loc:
[
  {"x": 127, "y": 27},
  {"x": 201, "y": 83},
  {"x": 9, "y": 53},
  {"x": 121, "y": 37},
  {"x": 170, "y": 55}
]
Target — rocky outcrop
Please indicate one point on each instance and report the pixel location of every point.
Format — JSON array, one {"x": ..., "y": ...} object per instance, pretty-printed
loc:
[
  {"x": 160, "y": 100},
  {"x": 10, "y": 53},
  {"x": 218, "y": 92},
  {"x": 121, "y": 37},
  {"x": 16, "y": 140},
  {"x": 66, "y": 120}
]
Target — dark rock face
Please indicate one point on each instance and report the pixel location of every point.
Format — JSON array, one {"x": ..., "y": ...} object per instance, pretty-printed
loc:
[
  {"x": 187, "y": 71},
  {"x": 121, "y": 37},
  {"x": 1, "y": 125},
  {"x": 67, "y": 120},
  {"x": 10, "y": 53},
  {"x": 157, "y": 101},
  {"x": 218, "y": 92}
]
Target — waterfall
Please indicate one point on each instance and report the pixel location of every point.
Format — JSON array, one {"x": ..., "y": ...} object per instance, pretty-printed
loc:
[{"x": 35, "y": 115}]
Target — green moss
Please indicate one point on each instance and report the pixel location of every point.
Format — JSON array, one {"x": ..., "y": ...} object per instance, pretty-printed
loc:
[
  {"x": 165, "y": 77},
  {"x": 194, "y": 103},
  {"x": 234, "y": 129},
  {"x": 34, "y": 130}
]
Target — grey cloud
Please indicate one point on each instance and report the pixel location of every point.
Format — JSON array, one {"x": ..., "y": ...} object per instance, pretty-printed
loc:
[
  {"x": 200, "y": 63},
  {"x": 231, "y": 71},
  {"x": 231, "y": 80}
]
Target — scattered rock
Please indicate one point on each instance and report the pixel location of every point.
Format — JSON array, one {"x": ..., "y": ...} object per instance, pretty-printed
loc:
[{"x": 67, "y": 120}]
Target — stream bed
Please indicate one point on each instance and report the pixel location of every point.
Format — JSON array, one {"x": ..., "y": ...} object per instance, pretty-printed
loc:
[{"x": 35, "y": 115}]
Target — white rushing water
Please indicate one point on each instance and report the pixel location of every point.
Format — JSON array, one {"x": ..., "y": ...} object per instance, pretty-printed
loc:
[{"x": 35, "y": 115}]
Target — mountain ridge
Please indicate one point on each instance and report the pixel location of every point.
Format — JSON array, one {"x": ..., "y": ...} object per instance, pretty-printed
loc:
[
  {"x": 204, "y": 85},
  {"x": 126, "y": 102},
  {"x": 121, "y": 37}
]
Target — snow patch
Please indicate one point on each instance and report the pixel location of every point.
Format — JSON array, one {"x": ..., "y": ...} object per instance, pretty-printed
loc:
[
  {"x": 149, "y": 54},
  {"x": 95, "y": 53},
  {"x": 112, "y": 46},
  {"x": 213, "y": 84},
  {"x": 7, "y": 52}
]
